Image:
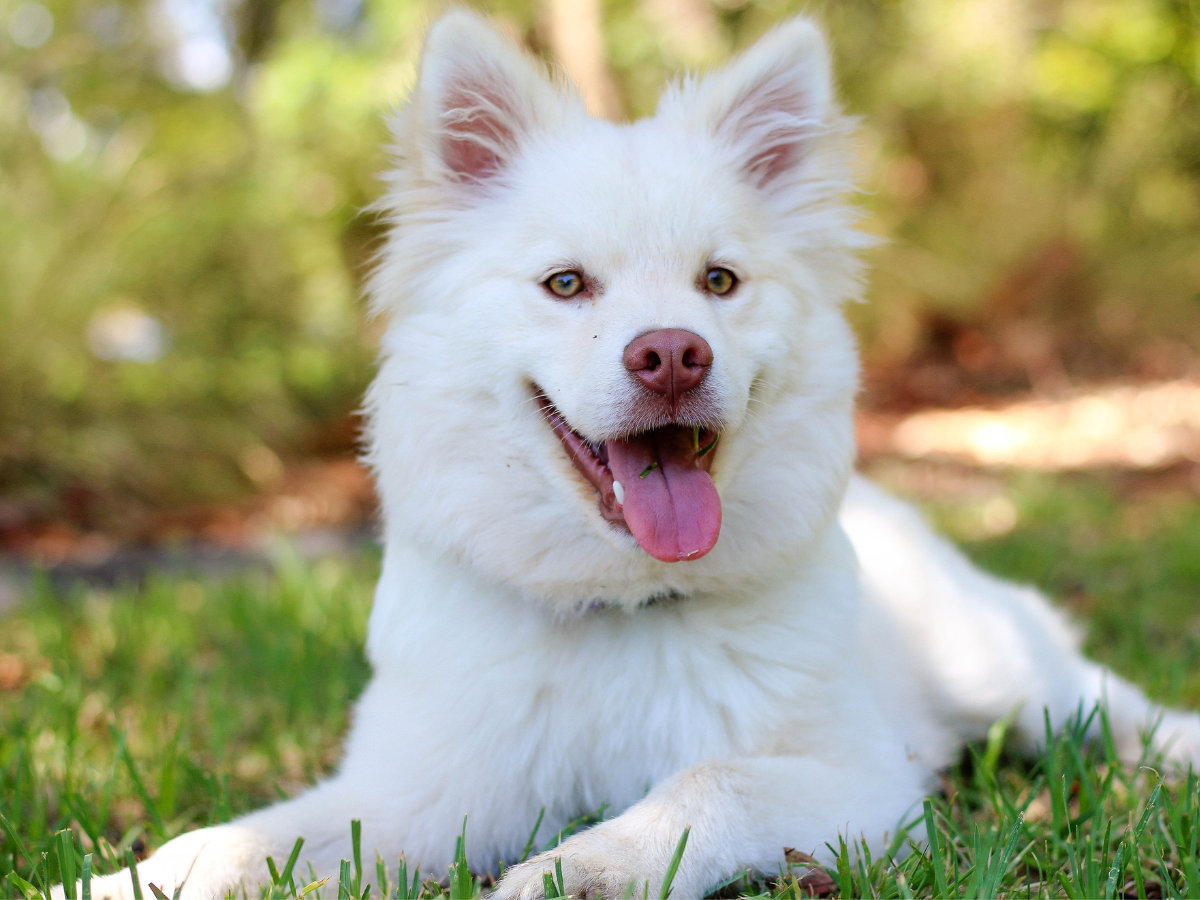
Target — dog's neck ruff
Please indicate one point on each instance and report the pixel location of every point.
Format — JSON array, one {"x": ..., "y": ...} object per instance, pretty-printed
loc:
[{"x": 654, "y": 600}]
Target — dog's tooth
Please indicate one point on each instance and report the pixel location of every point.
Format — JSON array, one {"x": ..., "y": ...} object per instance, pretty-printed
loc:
[{"x": 619, "y": 491}]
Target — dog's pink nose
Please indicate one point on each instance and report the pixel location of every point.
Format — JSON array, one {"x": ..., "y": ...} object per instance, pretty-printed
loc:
[{"x": 669, "y": 361}]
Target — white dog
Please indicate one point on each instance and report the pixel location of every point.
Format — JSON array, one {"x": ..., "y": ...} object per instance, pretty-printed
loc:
[{"x": 626, "y": 559}]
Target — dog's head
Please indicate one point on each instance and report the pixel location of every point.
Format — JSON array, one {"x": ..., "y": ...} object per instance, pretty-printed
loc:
[{"x": 610, "y": 345}]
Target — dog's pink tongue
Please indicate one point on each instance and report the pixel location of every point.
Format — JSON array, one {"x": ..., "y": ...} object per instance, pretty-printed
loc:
[{"x": 673, "y": 509}]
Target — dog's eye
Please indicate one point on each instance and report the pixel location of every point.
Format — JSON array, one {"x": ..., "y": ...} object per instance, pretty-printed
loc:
[
  {"x": 719, "y": 281},
  {"x": 564, "y": 284}
]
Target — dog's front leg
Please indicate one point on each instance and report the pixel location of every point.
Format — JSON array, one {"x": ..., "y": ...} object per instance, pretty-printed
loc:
[
  {"x": 206, "y": 863},
  {"x": 741, "y": 813},
  {"x": 231, "y": 859}
]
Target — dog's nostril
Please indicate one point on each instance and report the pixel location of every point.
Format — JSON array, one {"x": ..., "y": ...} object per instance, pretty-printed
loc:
[{"x": 670, "y": 361}]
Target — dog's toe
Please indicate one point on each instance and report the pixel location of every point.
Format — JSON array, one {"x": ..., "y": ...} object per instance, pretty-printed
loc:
[{"x": 585, "y": 872}]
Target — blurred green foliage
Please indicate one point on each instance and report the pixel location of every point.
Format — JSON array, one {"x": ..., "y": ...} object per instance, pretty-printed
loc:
[{"x": 1035, "y": 166}]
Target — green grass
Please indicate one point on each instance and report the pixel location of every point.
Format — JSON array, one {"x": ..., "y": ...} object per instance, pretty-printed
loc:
[
  {"x": 139, "y": 715},
  {"x": 128, "y": 717}
]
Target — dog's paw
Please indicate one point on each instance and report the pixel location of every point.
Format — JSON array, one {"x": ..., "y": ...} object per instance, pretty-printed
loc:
[
  {"x": 199, "y": 865},
  {"x": 117, "y": 886},
  {"x": 590, "y": 865}
]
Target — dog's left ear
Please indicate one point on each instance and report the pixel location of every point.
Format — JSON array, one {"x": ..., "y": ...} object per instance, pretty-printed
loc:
[{"x": 768, "y": 105}]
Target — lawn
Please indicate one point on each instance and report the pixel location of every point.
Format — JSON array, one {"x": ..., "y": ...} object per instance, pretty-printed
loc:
[{"x": 130, "y": 716}]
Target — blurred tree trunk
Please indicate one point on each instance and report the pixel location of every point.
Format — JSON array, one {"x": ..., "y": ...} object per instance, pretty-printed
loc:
[
  {"x": 577, "y": 41},
  {"x": 255, "y": 20}
]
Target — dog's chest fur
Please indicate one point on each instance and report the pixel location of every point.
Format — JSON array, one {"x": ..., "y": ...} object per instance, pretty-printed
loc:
[{"x": 594, "y": 708}]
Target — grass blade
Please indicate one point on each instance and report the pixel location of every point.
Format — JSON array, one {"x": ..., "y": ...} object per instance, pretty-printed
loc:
[
  {"x": 845, "y": 876},
  {"x": 131, "y": 861},
  {"x": 462, "y": 882},
  {"x": 673, "y": 866},
  {"x": 402, "y": 881},
  {"x": 991, "y": 885},
  {"x": 315, "y": 886},
  {"x": 65, "y": 841},
  {"x": 140, "y": 786},
  {"x": 286, "y": 875},
  {"x": 356, "y": 850},
  {"x": 20, "y": 845},
  {"x": 532, "y": 842},
  {"x": 935, "y": 852},
  {"x": 27, "y": 889},
  {"x": 381, "y": 875}
]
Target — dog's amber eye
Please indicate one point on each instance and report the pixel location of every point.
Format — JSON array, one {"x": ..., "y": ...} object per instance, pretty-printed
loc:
[
  {"x": 719, "y": 280},
  {"x": 565, "y": 284}
]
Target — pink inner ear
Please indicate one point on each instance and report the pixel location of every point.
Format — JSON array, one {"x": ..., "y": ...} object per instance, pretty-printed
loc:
[
  {"x": 478, "y": 130},
  {"x": 769, "y": 120},
  {"x": 773, "y": 162}
]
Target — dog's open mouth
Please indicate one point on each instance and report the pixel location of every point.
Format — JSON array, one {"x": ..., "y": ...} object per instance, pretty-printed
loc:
[{"x": 655, "y": 483}]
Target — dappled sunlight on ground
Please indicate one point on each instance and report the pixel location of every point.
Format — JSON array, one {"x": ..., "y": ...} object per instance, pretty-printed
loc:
[{"x": 1131, "y": 426}]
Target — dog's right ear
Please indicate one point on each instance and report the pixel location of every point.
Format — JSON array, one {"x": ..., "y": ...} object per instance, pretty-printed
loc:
[{"x": 477, "y": 98}]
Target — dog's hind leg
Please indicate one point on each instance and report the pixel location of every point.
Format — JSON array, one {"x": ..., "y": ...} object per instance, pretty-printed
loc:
[{"x": 981, "y": 648}]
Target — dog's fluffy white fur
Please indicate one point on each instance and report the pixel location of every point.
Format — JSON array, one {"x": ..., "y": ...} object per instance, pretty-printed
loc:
[{"x": 807, "y": 677}]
